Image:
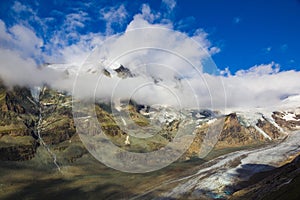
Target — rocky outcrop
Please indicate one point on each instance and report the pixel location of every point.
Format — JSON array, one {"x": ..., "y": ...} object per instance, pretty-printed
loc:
[
  {"x": 121, "y": 72},
  {"x": 291, "y": 124},
  {"x": 234, "y": 134},
  {"x": 280, "y": 183},
  {"x": 269, "y": 129},
  {"x": 57, "y": 119},
  {"x": 108, "y": 123},
  {"x": 17, "y": 148},
  {"x": 18, "y": 117},
  {"x": 20, "y": 121}
]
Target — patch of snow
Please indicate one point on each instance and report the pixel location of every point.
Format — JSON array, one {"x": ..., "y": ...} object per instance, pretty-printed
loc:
[
  {"x": 291, "y": 102},
  {"x": 47, "y": 104},
  {"x": 290, "y": 117},
  {"x": 85, "y": 117},
  {"x": 269, "y": 118},
  {"x": 118, "y": 106},
  {"x": 250, "y": 119},
  {"x": 211, "y": 121},
  {"x": 262, "y": 132},
  {"x": 69, "y": 68},
  {"x": 124, "y": 122},
  {"x": 127, "y": 142},
  {"x": 198, "y": 115},
  {"x": 166, "y": 116},
  {"x": 110, "y": 67}
]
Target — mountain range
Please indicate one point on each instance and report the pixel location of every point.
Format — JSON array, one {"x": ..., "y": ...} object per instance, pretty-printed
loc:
[{"x": 254, "y": 156}]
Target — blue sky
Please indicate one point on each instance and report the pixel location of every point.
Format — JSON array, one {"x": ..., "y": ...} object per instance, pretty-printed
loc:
[
  {"x": 247, "y": 33},
  {"x": 250, "y": 32}
]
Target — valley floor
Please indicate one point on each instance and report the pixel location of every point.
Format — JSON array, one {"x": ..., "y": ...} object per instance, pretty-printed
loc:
[{"x": 224, "y": 177}]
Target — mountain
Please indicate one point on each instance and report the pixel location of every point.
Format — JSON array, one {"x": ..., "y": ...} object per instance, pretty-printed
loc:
[
  {"x": 37, "y": 131},
  {"x": 51, "y": 116},
  {"x": 28, "y": 105},
  {"x": 18, "y": 119},
  {"x": 279, "y": 183}
]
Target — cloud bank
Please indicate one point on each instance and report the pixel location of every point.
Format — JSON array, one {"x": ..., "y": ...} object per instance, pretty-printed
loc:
[{"x": 168, "y": 65}]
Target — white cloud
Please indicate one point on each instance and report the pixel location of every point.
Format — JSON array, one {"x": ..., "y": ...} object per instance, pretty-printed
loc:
[
  {"x": 170, "y": 4},
  {"x": 113, "y": 16},
  {"x": 226, "y": 72},
  {"x": 147, "y": 14},
  {"x": 259, "y": 70},
  {"x": 152, "y": 51},
  {"x": 5, "y": 37},
  {"x": 16, "y": 70},
  {"x": 76, "y": 20},
  {"x": 69, "y": 29},
  {"x": 26, "y": 39},
  {"x": 141, "y": 33},
  {"x": 19, "y": 8},
  {"x": 260, "y": 86},
  {"x": 21, "y": 39},
  {"x": 200, "y": 36},
  {"x": 185, "y": 23}
]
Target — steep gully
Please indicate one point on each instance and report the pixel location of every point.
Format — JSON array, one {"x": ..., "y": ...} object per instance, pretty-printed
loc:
[{"x": 35, "y": 92}]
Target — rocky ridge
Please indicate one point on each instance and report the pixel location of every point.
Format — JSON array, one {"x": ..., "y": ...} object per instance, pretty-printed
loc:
[
  {"x": 34, "y": 130},
  {"x": 20, "y": 120}
]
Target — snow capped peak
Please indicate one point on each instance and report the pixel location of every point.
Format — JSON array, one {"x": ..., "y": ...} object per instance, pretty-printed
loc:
[
  {"x": 102, "y": 67},
  {"x": 291, "y": 102},
  {"x": 249, "y": 118},
  {"x": 68, "y": 68}
]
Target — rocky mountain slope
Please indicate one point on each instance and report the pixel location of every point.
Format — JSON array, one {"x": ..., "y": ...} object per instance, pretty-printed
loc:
[
  {"x": 279, "y": 183},
  {"x": 17, "y": 125},
  {"x": 37, "y": 126},
  {"x": 25, "y": 121}
]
